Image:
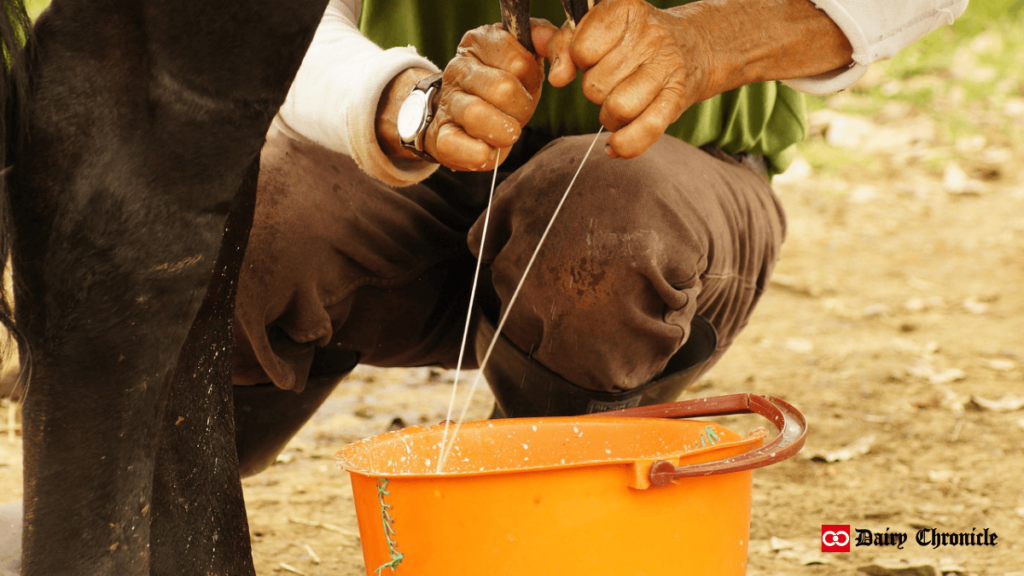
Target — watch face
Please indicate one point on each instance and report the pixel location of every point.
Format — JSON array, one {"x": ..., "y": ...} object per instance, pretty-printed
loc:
[{"x": 411, "y": 115}]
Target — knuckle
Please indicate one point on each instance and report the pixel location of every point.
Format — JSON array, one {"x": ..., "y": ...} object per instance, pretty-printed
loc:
[
  {"x": 650, "y": 130},
  {"x": 505, "y": 89},
  {"x": 618, "y": 110},
  {"x": 471, "y": 38},
  {"x": 472, "y": 115},
  {"x": 593, "y": 89},
  {"x": 520, "y": 65},
  {"x": 478, "y": 155},
  {"x": 455, "y": 71}
]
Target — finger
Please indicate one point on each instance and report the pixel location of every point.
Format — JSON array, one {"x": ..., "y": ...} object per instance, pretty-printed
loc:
[
  {"x": 457, "y": 150},
  {"x": 556, "y": 50},
  {"x": 600, "y": 31},
  {"x": 600, "y": 80},
  {"x": 631, "y": 97},
  {"x": 495, "y": 47},
  {"x": 541, "y": 32},
  {"x": 481, "y": 120},
  {"x": 497, "y": 87},
  {"x": 636, "y": 137}
]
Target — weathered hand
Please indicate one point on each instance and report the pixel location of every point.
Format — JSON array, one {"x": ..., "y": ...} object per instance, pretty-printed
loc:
[
  {"x": 489, "y": 92},
  {"x": 644, "y": 66}
]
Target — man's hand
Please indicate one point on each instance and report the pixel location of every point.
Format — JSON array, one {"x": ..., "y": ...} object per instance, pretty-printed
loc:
[
  {"x": 646, "y": 66},
  {"x": 488, "y": 93}
]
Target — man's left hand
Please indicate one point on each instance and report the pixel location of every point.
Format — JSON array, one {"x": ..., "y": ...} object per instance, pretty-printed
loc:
[{"x": 645, "y": 66}]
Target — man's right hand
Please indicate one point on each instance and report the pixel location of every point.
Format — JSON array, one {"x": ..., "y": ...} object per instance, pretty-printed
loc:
[{"x": 488, "y": 93}]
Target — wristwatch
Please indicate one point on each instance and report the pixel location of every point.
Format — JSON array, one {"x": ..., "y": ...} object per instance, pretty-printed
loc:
[{"x": 416, "y": 113}]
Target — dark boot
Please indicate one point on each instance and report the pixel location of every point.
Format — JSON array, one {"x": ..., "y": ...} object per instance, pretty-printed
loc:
[
  {"x": 523, "y": 387},
  {"x": 267, "y": 417}
]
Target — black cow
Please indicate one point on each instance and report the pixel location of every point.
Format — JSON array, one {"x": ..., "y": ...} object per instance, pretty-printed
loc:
[{"x": 132, "y": 133}]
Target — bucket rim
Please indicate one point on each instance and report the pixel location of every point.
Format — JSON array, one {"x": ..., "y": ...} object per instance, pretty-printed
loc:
[{"x": 697, "y": 453}]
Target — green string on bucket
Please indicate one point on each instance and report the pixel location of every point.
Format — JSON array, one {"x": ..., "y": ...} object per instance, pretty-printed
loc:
[{"x": 386, "y": 520}]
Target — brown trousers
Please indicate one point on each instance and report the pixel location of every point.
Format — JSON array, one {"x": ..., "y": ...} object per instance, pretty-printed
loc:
[{"x": 339, "y": 260}]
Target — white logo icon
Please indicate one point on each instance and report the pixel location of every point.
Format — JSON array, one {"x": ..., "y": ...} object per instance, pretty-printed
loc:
[{"x": 834, "y": 537}]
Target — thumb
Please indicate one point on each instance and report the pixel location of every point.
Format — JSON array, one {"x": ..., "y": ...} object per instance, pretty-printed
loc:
[{"x": 541, "y": 32}]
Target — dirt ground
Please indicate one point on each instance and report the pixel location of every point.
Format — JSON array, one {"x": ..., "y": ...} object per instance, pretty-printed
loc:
[
  {"x": 895, "y": 314},
  {"x": 894, "y": 322}
]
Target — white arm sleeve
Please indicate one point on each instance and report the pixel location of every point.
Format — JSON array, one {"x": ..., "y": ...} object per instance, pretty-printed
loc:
[
  {"x": 333, "y": 99},
  {"x": 877, "y": 29}
]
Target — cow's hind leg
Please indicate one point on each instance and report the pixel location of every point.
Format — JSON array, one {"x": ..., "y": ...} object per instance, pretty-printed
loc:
[
  {"x": 199, "y": 524},
  {"x": 143, "y": 119}
]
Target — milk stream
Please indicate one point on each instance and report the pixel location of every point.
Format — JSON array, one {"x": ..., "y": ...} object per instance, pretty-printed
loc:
[{"x": 497, "y": 331}]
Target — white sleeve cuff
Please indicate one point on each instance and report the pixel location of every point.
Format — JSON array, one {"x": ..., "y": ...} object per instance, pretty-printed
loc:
[
  {"x": 361, "y": 121},
  {"x": 333, "y": 99},
  {"x": 877, "y": 30}
]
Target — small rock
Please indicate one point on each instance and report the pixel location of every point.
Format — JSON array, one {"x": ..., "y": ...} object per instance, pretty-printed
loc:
[
  {"x": 950, "y": 566},
  {"x": 956, "y": 181},
  {"x": 973, "y": 306},
  {"x": 795, "y": 285},
  {"x": 934, "y": 376},
  {"x": 1000, "y": 364},
  {"x": 856, "y": 448},
  {"x": 918, "y": 304},
  {"x": 798, "y": 171},
  {"x": 799, "y": 345},
  {"x": 895, "y": 110},
  {"x": 863, "y": 194},
  {"x": 997, "y": 155},
  {"x": 947, "y": 376},
  {"x": 851, "y": 132},
  {"x": 780, "y": 544},
  {"x": 920, "y": 570},
  {"x": 1007, "y": 403},
  {"x": 987, "y": 42},
  {"x": 952, "y": 401},
  {"x": 1014, "y": 107},
  {"x": 876, "y": 311},
  {"x": 971, "y": 144}
]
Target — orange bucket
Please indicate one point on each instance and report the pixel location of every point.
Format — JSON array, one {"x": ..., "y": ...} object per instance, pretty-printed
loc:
[{"x": 629, "y": 492}]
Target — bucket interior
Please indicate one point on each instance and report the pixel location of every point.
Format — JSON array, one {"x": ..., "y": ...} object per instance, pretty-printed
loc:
[{"x": 539, "y": 443}]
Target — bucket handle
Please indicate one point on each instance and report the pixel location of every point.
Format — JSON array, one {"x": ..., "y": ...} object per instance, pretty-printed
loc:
[{"x": 791, "y": 424}]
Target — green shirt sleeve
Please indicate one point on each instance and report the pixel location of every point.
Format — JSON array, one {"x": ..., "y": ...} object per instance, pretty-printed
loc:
[{"x": 767, "y": 118}]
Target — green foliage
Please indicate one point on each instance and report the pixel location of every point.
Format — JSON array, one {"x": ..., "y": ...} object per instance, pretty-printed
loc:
[
  {"x": 958, "y": 75},
  {"x": 34, "y": 7}
]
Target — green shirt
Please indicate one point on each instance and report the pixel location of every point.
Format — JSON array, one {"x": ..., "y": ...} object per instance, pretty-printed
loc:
[{"x": 764, "y": 118}]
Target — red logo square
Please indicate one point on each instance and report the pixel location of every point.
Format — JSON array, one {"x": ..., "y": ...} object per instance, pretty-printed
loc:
[{"x": 835, "y": 537}]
